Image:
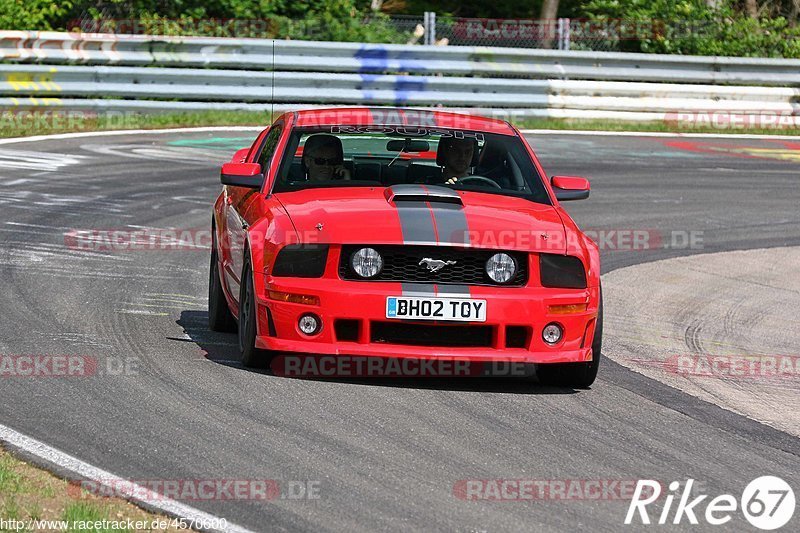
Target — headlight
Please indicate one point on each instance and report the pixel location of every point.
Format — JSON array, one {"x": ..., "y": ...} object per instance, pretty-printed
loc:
[
  {"x": 501, "y": 267},
  {"x": 562, "y": 271},
  {"x": 301, "y": 261},
  {"x": 367, "y": 262}
]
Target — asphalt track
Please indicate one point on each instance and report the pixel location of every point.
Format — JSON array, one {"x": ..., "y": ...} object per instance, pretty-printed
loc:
[
  {"x": 385, "y": 454},
  {"x": 731, "y": 340}
]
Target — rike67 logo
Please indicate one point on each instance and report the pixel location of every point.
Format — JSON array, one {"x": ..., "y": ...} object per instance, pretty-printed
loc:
[{"x": 767, "y": 502}]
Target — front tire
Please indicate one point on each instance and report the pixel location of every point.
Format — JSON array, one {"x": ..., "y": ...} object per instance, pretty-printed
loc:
[
  {"x": 251, "y": 356},
  {"x": 577, "y": 375},
  {"x": 220, "y": 317}
]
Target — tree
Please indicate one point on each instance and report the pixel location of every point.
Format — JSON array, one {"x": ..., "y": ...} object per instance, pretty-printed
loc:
[
  {"x": 548, "y": 15},
  {"x": 549, "y": 9}
]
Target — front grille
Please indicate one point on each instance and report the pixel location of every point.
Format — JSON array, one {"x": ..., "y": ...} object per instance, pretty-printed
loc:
[
  {"x": 471, "y": 336},
  {"x": 401, "y": 263},
  {"x": 346, "y": 329},
  {"x": 517, "y": 336}
]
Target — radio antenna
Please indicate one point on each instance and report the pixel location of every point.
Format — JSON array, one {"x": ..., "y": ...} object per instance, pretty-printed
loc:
[{"x": 272, "y": 111}]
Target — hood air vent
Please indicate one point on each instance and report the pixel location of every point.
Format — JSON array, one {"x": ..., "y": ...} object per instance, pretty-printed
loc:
[{"x": 422, "y": 193}]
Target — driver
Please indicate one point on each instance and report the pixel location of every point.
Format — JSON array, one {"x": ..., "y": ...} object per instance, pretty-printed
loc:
[
  {"x": 455, "y": 156},
  {"x": 323, "y": 158}
]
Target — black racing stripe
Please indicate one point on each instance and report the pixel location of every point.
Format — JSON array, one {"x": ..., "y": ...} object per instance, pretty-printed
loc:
[
  {"x": 416, "y": 223},
  {"x": 451, "y": 223},
  {"x": 418, "y": 227},
  {"x": 418, "y": 289},
  {"x": 453, "y": 290}
]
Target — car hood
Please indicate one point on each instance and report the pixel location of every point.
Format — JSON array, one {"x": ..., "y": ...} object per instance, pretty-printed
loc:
[{"x": 412, "y": 214}]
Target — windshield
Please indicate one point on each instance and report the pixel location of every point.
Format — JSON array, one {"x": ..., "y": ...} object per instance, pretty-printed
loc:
[{"x": 382, "y": 156}]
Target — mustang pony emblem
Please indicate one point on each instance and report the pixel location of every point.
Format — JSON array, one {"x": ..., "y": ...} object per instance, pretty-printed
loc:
[{"x": 435, "y": 265}]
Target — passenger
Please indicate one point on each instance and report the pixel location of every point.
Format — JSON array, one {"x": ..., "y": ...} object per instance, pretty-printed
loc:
[{"x": 323, "y": 158}]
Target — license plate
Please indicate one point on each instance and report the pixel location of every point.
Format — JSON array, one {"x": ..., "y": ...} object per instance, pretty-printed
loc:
[{"x": 412, "y": 308}]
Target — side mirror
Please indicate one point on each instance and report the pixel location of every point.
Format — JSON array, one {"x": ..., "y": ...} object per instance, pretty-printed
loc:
[
  {"x": 570, "y": 188},
  {"x": 242, "y": 175},
  {"x": 240, "y": 155}
]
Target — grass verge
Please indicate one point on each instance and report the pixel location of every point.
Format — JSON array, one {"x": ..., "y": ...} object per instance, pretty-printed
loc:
[
  {"x": 29, "y": 494},
  {"x": 21, "y": 124},
  {"x": 645, "y": 127}
]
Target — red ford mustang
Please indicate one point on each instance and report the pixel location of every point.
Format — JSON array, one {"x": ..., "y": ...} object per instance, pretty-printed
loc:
[{"x": 401, "y": 233}]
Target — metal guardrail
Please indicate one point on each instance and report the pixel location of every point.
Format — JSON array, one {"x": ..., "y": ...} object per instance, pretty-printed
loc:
[
  {"x": 260, "y": 54},
  {"x": 331, "y": 88},
  {"x": 63, "y": 70}
]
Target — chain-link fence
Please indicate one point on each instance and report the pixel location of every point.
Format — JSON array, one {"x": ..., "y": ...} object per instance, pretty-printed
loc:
[
  {"x": 559, "y": 34},
  {"x": 515, "y": 33}
]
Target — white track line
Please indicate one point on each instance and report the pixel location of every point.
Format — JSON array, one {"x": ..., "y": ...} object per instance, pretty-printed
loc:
[
  {"x": 75, "y": 469},
  {"x": 79, "y": 134},
  {"x": 57, "y": 136}
]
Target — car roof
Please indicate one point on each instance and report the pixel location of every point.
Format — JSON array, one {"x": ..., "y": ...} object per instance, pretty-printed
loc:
[{"x": 395, "y": 116}]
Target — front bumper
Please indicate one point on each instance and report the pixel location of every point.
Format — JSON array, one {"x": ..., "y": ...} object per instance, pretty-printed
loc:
[{"x": 512, "y": 331}]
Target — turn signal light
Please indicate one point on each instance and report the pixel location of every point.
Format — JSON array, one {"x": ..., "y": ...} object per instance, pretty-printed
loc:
[
  {"x": 294, "y": 298},
  {"x": 567, "y": 309}
]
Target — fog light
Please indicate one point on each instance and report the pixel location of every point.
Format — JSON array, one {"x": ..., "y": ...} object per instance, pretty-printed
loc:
[
  {"x": 552, "y": 333},
  {"x": 309, "y": 324}
]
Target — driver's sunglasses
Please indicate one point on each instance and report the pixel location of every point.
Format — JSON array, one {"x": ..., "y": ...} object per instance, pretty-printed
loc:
[{"x": 324, "y": 161}]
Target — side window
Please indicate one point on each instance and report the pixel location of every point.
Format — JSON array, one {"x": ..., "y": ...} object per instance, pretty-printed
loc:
[{"x": 269, "y": 147}]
